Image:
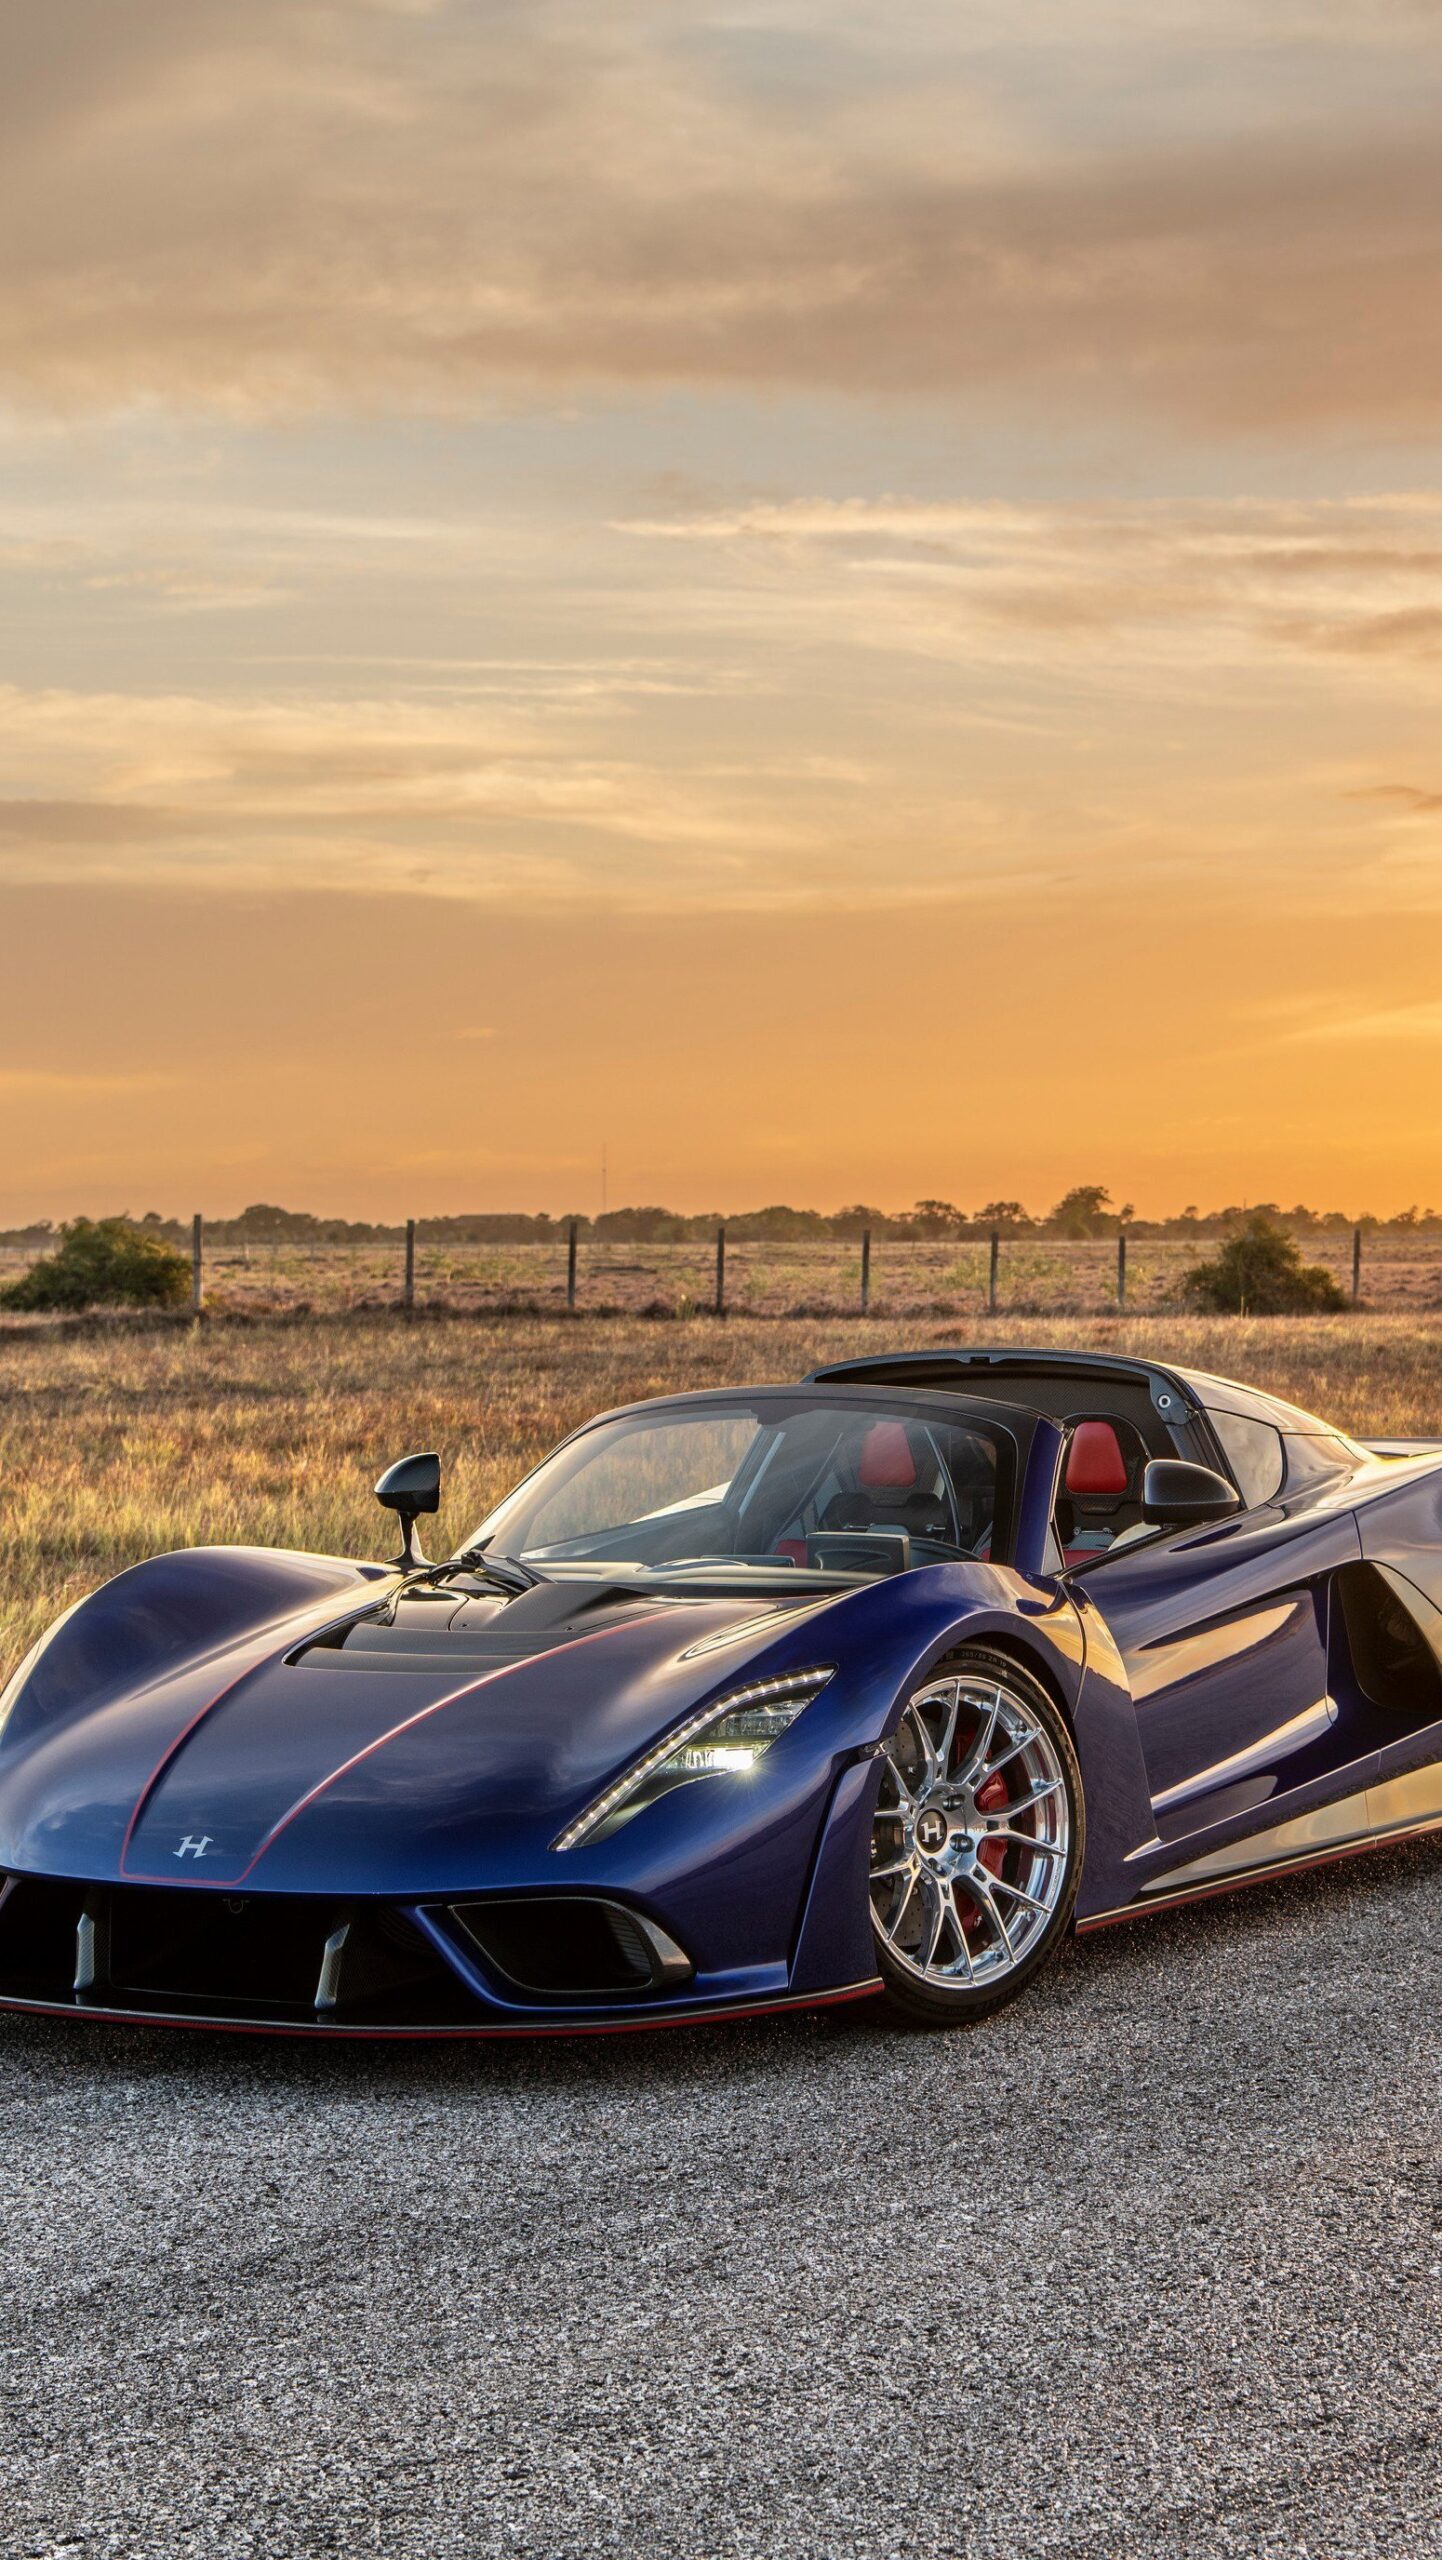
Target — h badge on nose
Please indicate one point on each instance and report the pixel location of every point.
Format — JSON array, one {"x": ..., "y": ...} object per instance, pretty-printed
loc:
[{"x": 190, "y": 1847}]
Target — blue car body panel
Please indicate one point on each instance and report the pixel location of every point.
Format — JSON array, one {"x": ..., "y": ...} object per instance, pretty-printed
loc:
[{"x": 193, "y": 1737}]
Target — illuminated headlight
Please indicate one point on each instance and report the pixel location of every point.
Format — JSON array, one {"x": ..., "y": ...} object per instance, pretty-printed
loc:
[{"x": 724, "y": 1740}]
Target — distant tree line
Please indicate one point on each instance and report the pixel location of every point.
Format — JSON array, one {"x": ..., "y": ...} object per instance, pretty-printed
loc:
[{"x": 1085, "y": 1212}]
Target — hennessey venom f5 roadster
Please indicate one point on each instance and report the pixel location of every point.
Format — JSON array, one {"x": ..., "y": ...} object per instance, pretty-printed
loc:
[{"x": 871, "y": 1685}]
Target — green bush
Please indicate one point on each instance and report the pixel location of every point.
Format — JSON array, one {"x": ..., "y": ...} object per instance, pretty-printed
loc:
[
  {"x": 102, "y": 1262},
  {"x": 1260, "y": 1272}
]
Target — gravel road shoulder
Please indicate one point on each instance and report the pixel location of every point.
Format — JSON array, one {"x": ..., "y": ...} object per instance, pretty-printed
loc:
[{"x": 1149, "y": 2266}]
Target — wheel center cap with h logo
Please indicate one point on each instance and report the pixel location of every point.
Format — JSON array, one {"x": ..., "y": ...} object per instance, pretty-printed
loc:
[{"x": 931, "y": 1831}]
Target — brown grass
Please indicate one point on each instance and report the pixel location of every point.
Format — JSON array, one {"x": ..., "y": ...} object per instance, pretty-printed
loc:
[
  {"x": 1039, "y": 1275},
  {"x": 123, "y": 1440}
]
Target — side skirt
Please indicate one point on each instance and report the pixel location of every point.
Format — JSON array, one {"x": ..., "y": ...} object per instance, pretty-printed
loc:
[{"x": 1297, "y": 1864}]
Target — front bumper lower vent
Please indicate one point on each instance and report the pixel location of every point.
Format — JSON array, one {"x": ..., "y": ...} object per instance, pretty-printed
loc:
[
  {"x": 571, "y": 1947},
  {"x": 170, "y": 1951}
]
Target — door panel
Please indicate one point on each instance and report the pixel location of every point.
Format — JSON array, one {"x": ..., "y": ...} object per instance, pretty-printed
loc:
[
  {"x": 1240, "y": 1776},
  {"x": 1213, "y": 1695},
  {"x": 1224, "y": 1635}
]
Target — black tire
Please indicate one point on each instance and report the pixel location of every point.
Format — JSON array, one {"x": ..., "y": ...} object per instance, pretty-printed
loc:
[{"x": 962, "y": 1925}]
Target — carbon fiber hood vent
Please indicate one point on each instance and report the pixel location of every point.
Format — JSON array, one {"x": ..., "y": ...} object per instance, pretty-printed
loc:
[{"x": 449, "y": 1628}]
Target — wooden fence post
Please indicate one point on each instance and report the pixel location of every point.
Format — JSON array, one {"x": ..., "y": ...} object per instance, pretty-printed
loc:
[
  {"x": 991, "y": 1279},
  {"x": 197, "y": 1263},
  {"x": 720, "y": 1271},
  {"x": 1356, "y": 1266},
  {"x": 410, "y": 1287},
  {"x": 865, "y": 1270},
  {"x": 571, "y": 1268},
  {"x": 1121, "y": 1275}
]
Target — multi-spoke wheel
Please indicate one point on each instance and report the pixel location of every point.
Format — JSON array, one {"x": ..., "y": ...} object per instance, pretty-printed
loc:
[{"x": 977, "y": 1839}]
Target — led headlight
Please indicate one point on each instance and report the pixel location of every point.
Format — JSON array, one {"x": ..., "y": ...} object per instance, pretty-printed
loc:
[{"x": 723, "y": 1740}]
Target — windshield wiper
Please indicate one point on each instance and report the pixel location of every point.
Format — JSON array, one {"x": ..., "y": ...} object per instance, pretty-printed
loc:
[
  {"x": 671, "y": 1566},
  {"x": 504, "y": 1573}
]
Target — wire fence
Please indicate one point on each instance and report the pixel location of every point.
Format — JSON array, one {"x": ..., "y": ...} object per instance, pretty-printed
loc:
[{"x": 721, "y": 1275}]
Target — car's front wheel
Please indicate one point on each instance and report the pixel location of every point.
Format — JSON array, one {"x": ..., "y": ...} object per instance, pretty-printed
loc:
[{"x": 977, "y": 1841}]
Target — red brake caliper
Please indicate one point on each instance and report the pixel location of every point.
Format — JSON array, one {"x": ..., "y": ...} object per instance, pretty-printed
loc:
[{"x": 991, "y": 1797}]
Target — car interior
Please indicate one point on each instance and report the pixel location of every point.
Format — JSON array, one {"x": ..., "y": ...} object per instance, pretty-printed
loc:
[
  {"x": 1112, "y": 1424},
  {"x": 892, "y": 1490},
  {"x": 1100, "y": 1503},
  {"x": 894, "y": 1476}
]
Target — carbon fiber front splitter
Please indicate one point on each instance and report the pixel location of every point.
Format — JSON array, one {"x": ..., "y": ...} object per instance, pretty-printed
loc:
[{"x": 327, "y": 2030}]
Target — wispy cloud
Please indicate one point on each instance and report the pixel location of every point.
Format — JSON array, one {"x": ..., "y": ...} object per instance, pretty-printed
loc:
[
  {"x": 383, "y": 794},
  {"x": 434, "y": 205},
  {"x": 1405, "y": 797},
  {"x": 1213, "y": 580},
  {"x": 54, "y": 825},
  {"x": 39, "y": 1084},
  {"x": 810, "y": 703},
  {"x": 676, "y": 514},
  {"x": 1415, "y": 1023}
]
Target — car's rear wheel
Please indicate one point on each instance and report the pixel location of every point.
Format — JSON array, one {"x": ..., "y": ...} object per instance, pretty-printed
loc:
[{"x": 977, "y": 1841}]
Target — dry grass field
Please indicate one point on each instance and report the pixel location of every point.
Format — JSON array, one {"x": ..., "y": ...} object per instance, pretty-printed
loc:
[
  {"x": 1039, "y": 1275},
  {"x": 120, "y": 1439}
]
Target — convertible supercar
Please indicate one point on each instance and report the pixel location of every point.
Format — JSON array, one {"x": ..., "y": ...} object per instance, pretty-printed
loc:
[{"x": 742, "y": 1700}]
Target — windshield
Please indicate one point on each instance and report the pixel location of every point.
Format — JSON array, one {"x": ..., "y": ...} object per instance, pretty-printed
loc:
[{"x": 807, "y": 1487}]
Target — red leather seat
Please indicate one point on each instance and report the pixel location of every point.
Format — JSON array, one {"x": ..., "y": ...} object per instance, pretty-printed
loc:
[
  {"x": 885, "y": 1482},
  {"x": 888, "y": 1492},
  {"x": 1095, "y": 1463},
  {"x": 1099, "y": 1487},
  {"x": 886, "y": 1464}
]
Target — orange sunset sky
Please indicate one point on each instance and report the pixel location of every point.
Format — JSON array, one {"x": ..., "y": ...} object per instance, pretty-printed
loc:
[{"x": 840, "y": 597}]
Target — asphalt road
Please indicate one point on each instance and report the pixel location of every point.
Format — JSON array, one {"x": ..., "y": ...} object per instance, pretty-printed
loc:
[{"x": 1152, "y": 2265}]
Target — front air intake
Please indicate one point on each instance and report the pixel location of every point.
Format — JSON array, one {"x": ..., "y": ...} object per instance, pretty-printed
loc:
[
  {"x": 173, "y": 1951},
  {"x": 570, "y": 1947}
]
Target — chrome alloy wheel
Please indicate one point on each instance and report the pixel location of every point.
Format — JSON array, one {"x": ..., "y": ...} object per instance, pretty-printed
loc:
[{"x": 972, "y": 1834}]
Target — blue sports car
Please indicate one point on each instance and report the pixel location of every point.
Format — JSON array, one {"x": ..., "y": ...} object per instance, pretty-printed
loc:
[{"x": 872, "y": 1685}]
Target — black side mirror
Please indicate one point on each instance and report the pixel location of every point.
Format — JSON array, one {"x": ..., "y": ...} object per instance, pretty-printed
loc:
[
  {"x": 1178, "y": 1495},
  {"x": 411, "y": 1486}
]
